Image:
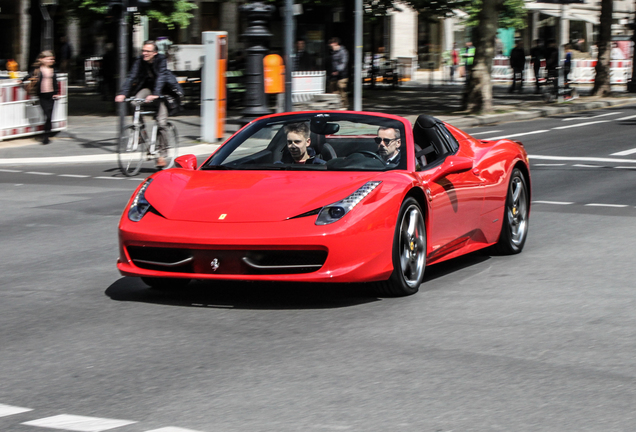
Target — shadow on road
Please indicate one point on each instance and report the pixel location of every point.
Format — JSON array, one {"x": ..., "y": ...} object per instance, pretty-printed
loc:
[
  {"x": 245, "y": 295},
  {"x": 271, "y": 295}
]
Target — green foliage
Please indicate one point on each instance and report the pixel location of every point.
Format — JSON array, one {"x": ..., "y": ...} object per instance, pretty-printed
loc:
[
  {"x": 172, "y": 13},
  {"x": 512, "y": 14},
  {"x": 169, "y": 12}
]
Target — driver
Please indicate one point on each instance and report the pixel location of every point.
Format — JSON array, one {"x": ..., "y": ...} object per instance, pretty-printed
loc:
[
  {"x": 389, "y": 143},
  {"x": 298, "y": 144}
]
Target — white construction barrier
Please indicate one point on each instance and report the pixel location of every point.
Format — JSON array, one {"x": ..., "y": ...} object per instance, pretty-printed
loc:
[
  {"x": 307, "y": 84},
  {"x": 21, "y": 115},
  {"x": 582, "y": 71}
]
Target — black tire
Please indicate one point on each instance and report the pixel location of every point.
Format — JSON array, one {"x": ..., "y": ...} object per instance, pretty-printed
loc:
[
  {"x": 131, "y": 151},
  {"x": 409, "y": 252},
  {"x": 165, "y": 284},
  {"x": 168, "y": 144},
  {"x": 514, "y": 229}
]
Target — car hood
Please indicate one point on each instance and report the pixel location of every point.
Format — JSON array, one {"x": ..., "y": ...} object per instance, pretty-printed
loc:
[{"x": 248, "y": 196}]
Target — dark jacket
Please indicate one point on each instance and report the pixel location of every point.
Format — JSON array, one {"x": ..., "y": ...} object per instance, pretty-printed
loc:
[
  {"x": 56, "y": 87},
  {"x": 164, "y": 81},
  {"x": 340, "y": 63},
  {"x": 517, "y": 58}
]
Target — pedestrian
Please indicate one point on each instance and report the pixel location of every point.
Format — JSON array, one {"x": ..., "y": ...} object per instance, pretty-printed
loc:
[
  {"x": 302, "y": 59},
  {"x": 517, "y": 63},
  {"x": 552, "y": 59},
  {"x": 42, "y": 82},
  {"x": 567, "y": 64},
  {"x": 536, "y": 54},
  {"x": 451, "y": 58},
  {"x": 468, "y": 55},
  {"x": 339, "y": 76},
  {"x": 65, "y": 54},
  {"x": 150, "y": 79}
]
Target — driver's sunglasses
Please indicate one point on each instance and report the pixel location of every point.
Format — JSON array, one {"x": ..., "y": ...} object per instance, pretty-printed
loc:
[
  {"x": 147, "y": 51},
  {"x": 387, "y": 141}
]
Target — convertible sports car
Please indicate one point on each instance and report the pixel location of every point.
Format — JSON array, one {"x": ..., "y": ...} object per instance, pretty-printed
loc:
[{"x": 251, "y": 212}]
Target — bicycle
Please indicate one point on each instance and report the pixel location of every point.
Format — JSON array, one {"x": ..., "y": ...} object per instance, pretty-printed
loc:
[
  {"x": 551, "y": 90},
  {"x": 135, "y": 146}
]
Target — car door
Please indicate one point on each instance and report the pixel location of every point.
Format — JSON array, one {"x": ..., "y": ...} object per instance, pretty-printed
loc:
[{"x": 455, "y": 201}]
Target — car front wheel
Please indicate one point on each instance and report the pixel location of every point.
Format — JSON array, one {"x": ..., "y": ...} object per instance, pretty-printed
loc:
[{"x": 409, "y": 252}]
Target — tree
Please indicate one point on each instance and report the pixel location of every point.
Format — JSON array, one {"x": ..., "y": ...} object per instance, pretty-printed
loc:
[
  {"x": 478, "y": 95},
  {"x": 171, "y": 12},
  {"x": 602, "y": 79}
]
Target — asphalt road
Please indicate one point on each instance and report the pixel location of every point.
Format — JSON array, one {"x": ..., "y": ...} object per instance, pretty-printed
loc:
[{"x": 541, "y": 341}]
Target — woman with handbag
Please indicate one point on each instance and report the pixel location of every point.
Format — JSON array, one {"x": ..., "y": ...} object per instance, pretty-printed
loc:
[{"x": 42, "y": 82}]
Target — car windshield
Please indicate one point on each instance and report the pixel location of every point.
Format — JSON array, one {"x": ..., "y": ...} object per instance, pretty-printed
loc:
[{"x": 320, "y": 141}]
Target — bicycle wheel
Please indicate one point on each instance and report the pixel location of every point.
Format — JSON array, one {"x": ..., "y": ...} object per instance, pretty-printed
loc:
[
  {"x": 130, "y": 154},
  {"x": 168, "y": 144}
]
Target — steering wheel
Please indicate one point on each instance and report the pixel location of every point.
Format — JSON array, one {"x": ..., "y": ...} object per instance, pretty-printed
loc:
[{"x": 370, "y": 154}]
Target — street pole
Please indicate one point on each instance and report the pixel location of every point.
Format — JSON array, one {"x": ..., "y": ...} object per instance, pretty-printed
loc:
[
  {"x": 357, "y": 70},
  {"x": 123, "y": 61},
  {"x": 560, "y": 61},
  {"x": 289, "y": 40}
]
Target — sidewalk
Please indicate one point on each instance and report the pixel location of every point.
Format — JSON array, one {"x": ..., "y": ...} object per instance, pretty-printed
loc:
[{"x": 92, "y": 132}]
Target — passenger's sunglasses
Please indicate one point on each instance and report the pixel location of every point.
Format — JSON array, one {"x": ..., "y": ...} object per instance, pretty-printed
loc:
[{"x": 386, "y": 141}]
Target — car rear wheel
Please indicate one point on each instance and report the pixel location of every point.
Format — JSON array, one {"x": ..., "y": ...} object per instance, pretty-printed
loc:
[
  {"x": 165, "y": 284},
  {"x": 409, "y": 252},
  {"x": 514, "y": 229}
]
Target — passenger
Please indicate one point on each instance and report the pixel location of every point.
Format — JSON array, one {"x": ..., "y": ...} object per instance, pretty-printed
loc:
[
  {"x": 389, "y": 143},
  {"x": 299, "y": 144}
]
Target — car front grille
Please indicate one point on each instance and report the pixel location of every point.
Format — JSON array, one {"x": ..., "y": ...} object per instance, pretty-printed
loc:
[{"x": 229, "y": 261}]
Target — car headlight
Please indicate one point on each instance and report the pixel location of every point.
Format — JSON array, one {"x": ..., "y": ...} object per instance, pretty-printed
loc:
[
  {"x": 140, "y": 205},
  {"x": 336, "y": 211}
]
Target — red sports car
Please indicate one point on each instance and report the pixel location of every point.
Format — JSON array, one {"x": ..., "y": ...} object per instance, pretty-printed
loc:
[{"x": 328, "y": 196}]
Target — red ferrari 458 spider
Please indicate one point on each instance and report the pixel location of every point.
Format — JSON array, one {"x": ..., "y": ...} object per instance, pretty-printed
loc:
[{"x": 328, "y": 196}]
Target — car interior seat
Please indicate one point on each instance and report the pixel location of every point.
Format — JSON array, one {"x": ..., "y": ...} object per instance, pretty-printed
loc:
[
  {"x": 323, "y": 149},
  {"x": 427, "y": 139}
]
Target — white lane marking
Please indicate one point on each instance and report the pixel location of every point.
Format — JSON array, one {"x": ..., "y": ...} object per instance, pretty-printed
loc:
[
  {"x": 624, "y": 152},
  {"x": 549, "y": 164},
  {"x": 586, "y": 166},
  {"x": 596, "y": 116},
  {"x": 78, "y": 423},
  {"x": 109, "y": 178},
  {"x": 581, "y": 159},
  {"x": 39, "y": 173},
  {"x": 172, "y": 429},
  {"x": 74, "y": 175},
  {"x": 607, "y": 205},
  {"x": 626, "y": 118},
  {"x": 484, "y": 132},
  {"x": 10, "y": 171},
  {"x": 516, "y": 135},
  {"x": 552, "y": 202},
  {"x": 136, "y": 178},
  {"x": 198, "y": 149},
  {"x": 582, "y": 124},
  {"x": 625, "y": 167},
  {"x": 7, "y": 410}
]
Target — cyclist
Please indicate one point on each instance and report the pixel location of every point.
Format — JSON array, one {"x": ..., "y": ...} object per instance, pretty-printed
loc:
[{"x": 149, "y": 79}]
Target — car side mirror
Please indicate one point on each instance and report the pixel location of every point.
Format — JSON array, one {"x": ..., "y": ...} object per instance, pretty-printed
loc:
[
  {"x": 186, "y": 162},
  {"x": 452, "y": 165}
]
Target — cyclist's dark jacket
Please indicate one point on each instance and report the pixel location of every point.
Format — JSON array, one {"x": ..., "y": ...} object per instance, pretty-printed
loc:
[{"x": 154, "y": 76}]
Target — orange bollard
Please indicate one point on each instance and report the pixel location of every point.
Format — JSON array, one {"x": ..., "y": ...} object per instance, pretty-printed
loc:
[{"x": 274, "y": 74}]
